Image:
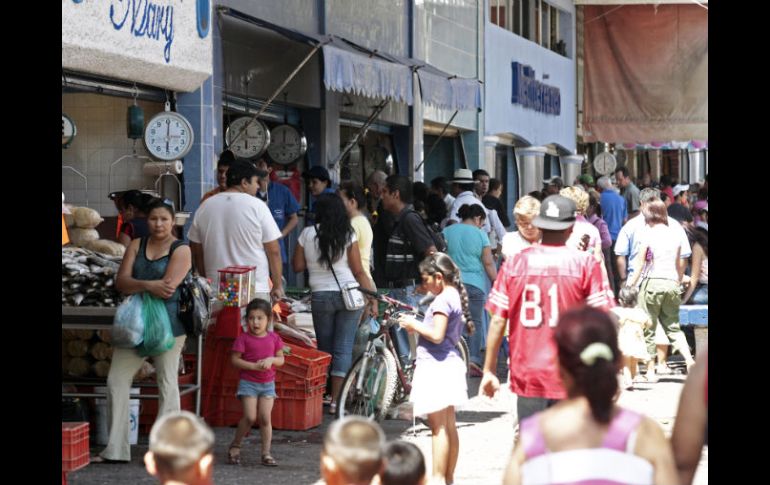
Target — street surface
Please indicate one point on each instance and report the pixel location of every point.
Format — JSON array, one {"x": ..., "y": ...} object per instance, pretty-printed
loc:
[{"x": 485, "y": 430}]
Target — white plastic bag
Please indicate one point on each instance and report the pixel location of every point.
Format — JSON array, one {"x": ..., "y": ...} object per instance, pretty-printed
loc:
[{"x": 128, "y": 325}]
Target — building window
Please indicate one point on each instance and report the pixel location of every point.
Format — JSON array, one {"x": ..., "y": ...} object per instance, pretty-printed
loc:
[
  {"x": 535, "y": 20},
  {"x": 497, "y": 12}
]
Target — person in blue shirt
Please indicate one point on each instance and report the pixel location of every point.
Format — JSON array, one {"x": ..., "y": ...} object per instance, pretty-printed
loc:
[
  {"x": 282, "y": 205},
  {"x": 615, "y": 214}
]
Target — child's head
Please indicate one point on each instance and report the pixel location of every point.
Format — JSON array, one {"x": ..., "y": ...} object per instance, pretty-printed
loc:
[
  {"x": 352, "y": 451},
  {"x": 589, "y": 358},
  {"x": 180, "y": 449},
  {"x": 627, "y": 296},
  {"x": 403, "y": 464},
  {"x": 258, "y": 316},
  {"x": 440, "y": 267}
]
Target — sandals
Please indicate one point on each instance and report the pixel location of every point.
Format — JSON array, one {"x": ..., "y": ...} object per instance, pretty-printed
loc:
[
  {"x": 333, "y": 408},
  {"x": 268, "y": 460},
  {"x": 234, "y": 458}
]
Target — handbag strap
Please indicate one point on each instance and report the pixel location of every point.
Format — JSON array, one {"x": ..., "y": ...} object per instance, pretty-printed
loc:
[{"x": 180, "y": 242}]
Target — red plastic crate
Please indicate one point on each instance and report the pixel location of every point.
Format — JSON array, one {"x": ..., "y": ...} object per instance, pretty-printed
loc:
[
  {"x": 298, "y": 414},
  {"x": 222, "y": 408},
  {"x": 148, "y": 410},
  {"x": 228, "y": 324},
  {"x": 305, "y": 363},
  {"x": 74, "y": 446},
  {"x": 298, "y": 390},
  {"x": 288, "y": 381}
]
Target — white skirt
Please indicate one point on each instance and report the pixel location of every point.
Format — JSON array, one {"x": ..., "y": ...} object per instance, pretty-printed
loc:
[{"x": 438, "y": 385}]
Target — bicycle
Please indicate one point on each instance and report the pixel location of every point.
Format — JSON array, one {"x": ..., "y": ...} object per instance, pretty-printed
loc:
[{"x": 377, "y": 380}]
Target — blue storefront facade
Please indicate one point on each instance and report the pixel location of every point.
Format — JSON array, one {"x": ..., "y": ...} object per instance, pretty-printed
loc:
[{"x": 530, "y": 92}]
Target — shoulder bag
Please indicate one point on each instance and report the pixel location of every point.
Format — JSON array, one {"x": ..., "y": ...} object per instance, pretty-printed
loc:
[{"x": 194, "y": 300}]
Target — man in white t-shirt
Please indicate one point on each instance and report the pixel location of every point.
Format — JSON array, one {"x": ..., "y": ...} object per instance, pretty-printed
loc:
[
  {"x": 236, "y": 228},
  {"x": 629, "y": 240}
]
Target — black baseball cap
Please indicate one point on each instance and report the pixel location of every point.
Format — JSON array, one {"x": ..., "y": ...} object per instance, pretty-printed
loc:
[
  {"x": 317, "y": 172},
  {"x": 556, "y": 213}
]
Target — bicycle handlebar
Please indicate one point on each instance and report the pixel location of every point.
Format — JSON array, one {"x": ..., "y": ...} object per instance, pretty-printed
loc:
[{"x": 389, "y": 300}]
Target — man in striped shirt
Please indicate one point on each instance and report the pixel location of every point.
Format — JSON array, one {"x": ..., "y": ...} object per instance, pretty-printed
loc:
[{"x": 531, "y": 290}]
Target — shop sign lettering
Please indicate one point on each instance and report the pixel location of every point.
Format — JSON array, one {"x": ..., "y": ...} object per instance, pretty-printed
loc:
[
  {"x": 531, "y": 93},
  {"x": 148, "y": 19}
]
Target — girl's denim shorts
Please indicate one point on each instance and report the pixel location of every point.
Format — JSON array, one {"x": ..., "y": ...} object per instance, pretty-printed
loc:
[{"x": 256, "y": 389}]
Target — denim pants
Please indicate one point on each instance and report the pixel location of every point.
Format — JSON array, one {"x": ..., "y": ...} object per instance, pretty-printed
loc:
[
  {"x": 476, "y": 300},
  {"x": 399, "y": 335},
  {"x": 335, "y": 328},
  {"x": 700, "y": 296}
]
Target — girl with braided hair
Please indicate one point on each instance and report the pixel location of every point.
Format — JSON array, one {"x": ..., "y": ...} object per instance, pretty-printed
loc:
[{"x": 439, "y": 384}]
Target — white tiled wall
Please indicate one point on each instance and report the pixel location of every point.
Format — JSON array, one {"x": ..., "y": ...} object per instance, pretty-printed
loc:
[{"x": 101, "y": 139}]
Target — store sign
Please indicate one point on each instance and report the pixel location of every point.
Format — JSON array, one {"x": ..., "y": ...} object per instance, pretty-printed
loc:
[
  {"x": 531, "y": 93},
  {"x": 164, "y": 43}
]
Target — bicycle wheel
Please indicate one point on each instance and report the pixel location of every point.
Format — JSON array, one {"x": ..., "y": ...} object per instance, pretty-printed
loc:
[
  {"x": 465, "y": 353},
  {"x": 378, "y": 386}
]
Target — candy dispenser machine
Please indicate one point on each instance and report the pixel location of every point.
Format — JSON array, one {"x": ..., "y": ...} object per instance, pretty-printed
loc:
[{"x": 237, "y": 285}]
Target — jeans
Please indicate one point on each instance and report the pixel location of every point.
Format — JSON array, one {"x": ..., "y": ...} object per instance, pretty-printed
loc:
[
  {"x": 400, "y": 336},
  {"x": 335, "y": 328},
  {"x": 476, "y": 299},
  {"x": 700, "y": 296}
]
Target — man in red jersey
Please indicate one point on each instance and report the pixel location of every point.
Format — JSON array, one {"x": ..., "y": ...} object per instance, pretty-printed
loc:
[{"x": 531, "y": 290}]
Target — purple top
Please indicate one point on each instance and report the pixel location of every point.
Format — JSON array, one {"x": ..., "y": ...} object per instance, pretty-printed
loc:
[
  {"x": 253, "y": 349},
  {"x": 604, "y": 231},
  {"x": 447, "y": 302}
]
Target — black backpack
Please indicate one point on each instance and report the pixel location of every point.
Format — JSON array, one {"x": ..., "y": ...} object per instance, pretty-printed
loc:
[{"x": 435, "y": 233}]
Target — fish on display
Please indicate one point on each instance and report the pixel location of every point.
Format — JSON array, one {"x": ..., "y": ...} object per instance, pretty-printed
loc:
[{"x": 88, "y": 278}]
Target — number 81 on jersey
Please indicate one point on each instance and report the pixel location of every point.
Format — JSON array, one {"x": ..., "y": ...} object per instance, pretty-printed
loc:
[{"x": 531, "y": 313}]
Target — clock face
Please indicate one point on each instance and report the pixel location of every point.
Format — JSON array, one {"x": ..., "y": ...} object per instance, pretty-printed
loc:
[
  {"x": 252, "y": 142},
  {"x": 168, "y": 136},
  {"x": 68, "y": 130},
  {"x": 605, "y": 163},
  {"x": 287, "y": 144}
]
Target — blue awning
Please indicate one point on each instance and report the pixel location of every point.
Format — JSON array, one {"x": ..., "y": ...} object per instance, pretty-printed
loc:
[
  {"x": 441, "y": 89},
  {"x": 352, "y": 68},
  {"x": 351, "y": 72},
  {"x": 445, "y": 91}
]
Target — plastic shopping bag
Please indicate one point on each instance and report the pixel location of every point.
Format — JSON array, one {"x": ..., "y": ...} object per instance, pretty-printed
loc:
[
  {"x": 128, "y": 325},
  {"x": 158, "y": 337}
]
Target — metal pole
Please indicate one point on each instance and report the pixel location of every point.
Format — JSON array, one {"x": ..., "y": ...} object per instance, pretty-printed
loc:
[
  {"x": 435, "y": 144},
  {"x": 278, "y": 91},
  {"x": 353, "y": 142}
]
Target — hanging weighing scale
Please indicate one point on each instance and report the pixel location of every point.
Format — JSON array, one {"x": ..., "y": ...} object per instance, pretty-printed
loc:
[
  {"x": 68, "y": 131},
  {"x": 287, "y": 142},
  {"x": 168, "y": 136}
]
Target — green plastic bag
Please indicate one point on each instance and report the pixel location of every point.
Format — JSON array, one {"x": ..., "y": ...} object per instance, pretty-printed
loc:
[{"x": 158, "y": 337}]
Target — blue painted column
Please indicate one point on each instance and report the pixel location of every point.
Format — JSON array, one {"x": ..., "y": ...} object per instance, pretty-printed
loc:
[{"x": 203, "y": 107}]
